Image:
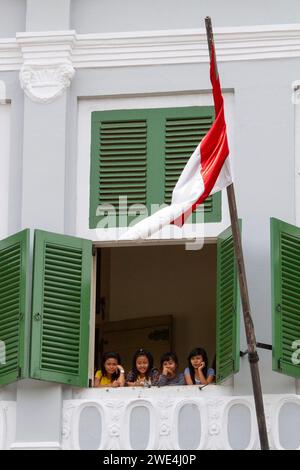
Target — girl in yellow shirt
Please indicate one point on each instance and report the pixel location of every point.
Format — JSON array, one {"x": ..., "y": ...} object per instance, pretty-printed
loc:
[{"x": 111, "y": 373}]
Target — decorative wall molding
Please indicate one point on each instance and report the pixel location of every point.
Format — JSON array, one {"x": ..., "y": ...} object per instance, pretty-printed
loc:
[
  {"x": 296, "y": 103},
  {"x": 3, "y": 426},
  {"x": 151, "y": 47},
  {"x": 186, "y": 46},
  {"x": 164, "y": 406},
  {"x": 45, "y": 84},
  {"x": 47, "y": 68},
  {"x": 47, "y": 60},
  {"x": 10, "y": 55},
  {"x": 35, "y": 446},
  {"x": 218, "y": 407},
  {"x": 7, "y": 423}
]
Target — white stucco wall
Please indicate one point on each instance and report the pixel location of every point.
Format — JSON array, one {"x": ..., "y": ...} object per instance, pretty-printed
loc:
[
  {"x": 12, "y": 19},
  {"x": 46, "y": 136},
  {"x": 4, "y": 162},
  {"x": 89, "y": 16},
  {"x": 264, "y": 162}
]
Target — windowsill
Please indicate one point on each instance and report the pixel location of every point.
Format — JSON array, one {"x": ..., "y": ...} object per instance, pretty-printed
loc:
[{"x": 141, "y": 392}]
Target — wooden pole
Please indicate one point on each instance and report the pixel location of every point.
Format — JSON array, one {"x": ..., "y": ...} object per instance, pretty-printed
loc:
[{"x": 249, "y": 328}]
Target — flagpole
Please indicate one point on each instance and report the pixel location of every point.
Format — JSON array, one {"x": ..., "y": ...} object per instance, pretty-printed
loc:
[{"x": 249, "y": 327}]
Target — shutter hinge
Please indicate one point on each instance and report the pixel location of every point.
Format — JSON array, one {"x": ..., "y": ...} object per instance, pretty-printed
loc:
[
  {"x": 94, "y": 250},
  {"x": 279, "y": 364},
  {"x": 19, "y": 372},
  {"x": 278, "y": 308}
]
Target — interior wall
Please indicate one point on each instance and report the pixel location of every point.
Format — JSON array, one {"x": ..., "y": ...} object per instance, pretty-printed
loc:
[{"x": 163, "y": 280}]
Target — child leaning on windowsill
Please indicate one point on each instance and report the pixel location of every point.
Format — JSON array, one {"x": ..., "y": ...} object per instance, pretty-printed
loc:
[
  {"x": 111, "y": 373},
  {"x": 142, "y": 374},
  {"x": 197, "y": 372},
  {"x": 170, "y": 374}
]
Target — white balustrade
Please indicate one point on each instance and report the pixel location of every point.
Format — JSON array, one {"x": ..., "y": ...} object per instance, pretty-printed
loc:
[{"x": 176, "y": 418}]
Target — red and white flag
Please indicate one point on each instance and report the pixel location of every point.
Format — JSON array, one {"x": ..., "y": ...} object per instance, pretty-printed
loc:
[{"x": 206, "y": 172}]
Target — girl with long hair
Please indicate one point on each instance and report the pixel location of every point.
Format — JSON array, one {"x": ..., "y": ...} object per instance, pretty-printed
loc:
[
  {"x": 197, "y": 372},
  {"x": 111, "y": 373},
  {"x": 143, "y": 373}
]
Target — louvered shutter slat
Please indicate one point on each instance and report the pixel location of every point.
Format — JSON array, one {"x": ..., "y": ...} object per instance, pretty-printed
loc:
[
  {"x": 140, "y": 154},
  {"x": 14, "y": 310},
  {"x": 181, "y": 138},
  {"x": 285, "y": 241},
  {"x": 61, "y": 302},
  {"x": 126, "y": 151},
  {"x": 227, "y": 308}
]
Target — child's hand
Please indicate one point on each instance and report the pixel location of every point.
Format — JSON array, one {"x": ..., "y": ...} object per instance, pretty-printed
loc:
[
  {"x": 166, "y": 370},
  {"x": 121, "y": 369},
  {"x": 115, "y": 384},
  {"x": 202, "y": 365}
]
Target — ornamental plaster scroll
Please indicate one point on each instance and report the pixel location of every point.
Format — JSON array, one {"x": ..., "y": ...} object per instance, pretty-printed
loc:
[
  {"x": 68, "y": 411},
  {"x": 43, "y": 84},
  {"x": 115, "y": 411},
  {"x": 165, "y": 427},
  {"x": 214, "y": 427},
  {"x": 47, "y": 66}
]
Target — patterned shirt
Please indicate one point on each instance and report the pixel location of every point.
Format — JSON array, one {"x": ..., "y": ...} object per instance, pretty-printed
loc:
[{"x": 151, "y": 379}]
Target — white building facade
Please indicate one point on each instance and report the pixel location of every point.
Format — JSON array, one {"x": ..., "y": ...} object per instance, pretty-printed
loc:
[{"x": 106, "y": 99}]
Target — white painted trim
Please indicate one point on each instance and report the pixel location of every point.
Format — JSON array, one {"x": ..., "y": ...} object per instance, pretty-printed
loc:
[
  {"x": 253, "y": 443},
  {"x": 75, "y": 421},
  {"x": 275, "y": 417},
  {"x": 202, "y": 409},
  {"x": 164, "y": 403},
  {"x": 92, "y": 321},
  {"x": 47, "y": 68},
  {"x": 10, "y": 55},
  {"x": 7, "y": 423},
  {"x": 296, "y": 101},
  {"x": 35, "y": 446},
  {"x": 5, "y": 113},
  {"x": 186, "y": 46},
  {"x": 155, "y": 47},
  {"x": 87, "y": 106},
  {"x": 153, "y": 416},
  {"x": 3, "y": 427}
]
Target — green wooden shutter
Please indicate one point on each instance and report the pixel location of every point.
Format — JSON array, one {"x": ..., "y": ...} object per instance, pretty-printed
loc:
[
  {"x": 140, "y": 154},
  {"x": 14, "y": 307},
  {"x": 61, "y": 308},
  {"x": 228, "y": 308},
  {"x": 184, "y": 129},
  {"x": 285, "y": 266},
  {"x": 118, "y": 163}
]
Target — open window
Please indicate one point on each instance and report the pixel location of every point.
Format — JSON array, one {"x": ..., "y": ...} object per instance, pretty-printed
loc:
[
  {"x": 160, "y": 297},
  {"x": 164, "y": 297}
]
